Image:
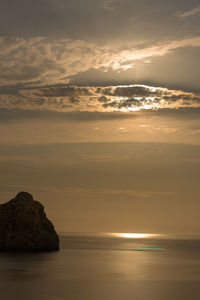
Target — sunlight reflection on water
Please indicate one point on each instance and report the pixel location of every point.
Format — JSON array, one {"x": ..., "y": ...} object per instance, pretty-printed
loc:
[
  {"x": 104, "y": 267},
  {"x": 134, "y": 235}
]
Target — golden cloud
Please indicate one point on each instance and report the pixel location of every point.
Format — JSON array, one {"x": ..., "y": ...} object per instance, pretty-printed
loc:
[{"x": 43, "y": 62}]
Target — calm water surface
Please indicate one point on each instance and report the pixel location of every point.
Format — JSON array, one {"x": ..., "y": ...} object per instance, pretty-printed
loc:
[{"x": 103, "y": 267}]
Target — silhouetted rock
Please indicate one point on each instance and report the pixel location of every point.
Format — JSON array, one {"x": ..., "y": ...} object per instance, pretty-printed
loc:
[{"x": 24, "y": 226}]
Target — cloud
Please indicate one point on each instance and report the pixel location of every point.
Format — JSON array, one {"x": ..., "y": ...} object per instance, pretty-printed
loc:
[
  {"x": 112, "y": 5},
  {"x": 99, "y": 99},
  {"x": 189, "y": 13},
  {"x": 84, "y": 191},
  {"x": 39, "y": 61}
]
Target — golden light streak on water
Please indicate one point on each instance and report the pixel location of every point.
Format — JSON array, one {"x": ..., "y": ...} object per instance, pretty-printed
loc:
[{"x": 133, "y": 235}]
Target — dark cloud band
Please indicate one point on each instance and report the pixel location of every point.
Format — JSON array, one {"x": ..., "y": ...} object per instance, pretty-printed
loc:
[{"x": 127, "y": 98}]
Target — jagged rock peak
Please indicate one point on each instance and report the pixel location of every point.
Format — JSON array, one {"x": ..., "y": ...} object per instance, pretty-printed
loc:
[{"x": 24, "y": 225}]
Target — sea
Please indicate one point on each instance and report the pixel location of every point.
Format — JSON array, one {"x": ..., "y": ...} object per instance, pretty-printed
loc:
[{"x": 105, "y": 267}]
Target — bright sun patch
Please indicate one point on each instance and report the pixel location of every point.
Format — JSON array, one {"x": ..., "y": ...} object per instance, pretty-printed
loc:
[{"x": 133, "y": 235}]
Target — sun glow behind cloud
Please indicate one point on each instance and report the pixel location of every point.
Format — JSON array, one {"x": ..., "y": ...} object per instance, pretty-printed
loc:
[{"x": 121, "y": 98}]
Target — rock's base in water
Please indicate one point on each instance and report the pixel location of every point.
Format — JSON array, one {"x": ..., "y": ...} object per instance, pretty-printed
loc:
[{"x": 25, "y": 227}]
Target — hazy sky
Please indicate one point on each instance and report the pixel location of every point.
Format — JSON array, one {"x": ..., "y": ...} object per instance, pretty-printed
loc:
[{"x": 99, "y": 112}]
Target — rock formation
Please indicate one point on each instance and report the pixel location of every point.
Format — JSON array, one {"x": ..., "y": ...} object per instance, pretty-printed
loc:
[{"x": 24, "y": 226}]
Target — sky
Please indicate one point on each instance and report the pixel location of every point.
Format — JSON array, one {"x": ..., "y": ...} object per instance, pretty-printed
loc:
[{"x": 99, "y": 112}]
